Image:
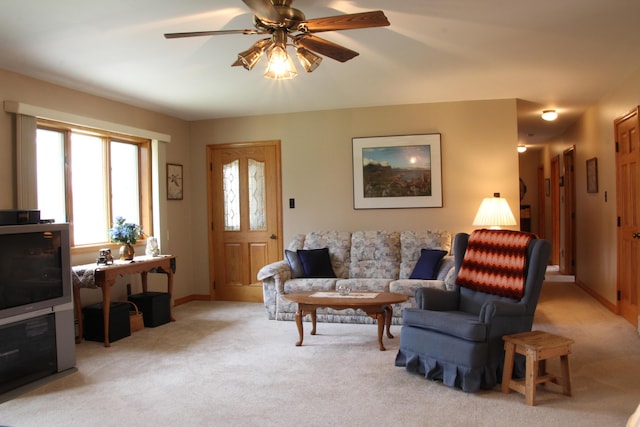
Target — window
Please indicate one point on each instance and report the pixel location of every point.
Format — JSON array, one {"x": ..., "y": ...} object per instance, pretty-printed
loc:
[{"x": 89, "y": 177}]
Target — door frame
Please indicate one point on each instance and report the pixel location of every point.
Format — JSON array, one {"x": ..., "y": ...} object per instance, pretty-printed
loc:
[
  {"x": 567, "y": 260},
  {"x": 542, "y": 203},
  {"x": 555, "y": 210}
]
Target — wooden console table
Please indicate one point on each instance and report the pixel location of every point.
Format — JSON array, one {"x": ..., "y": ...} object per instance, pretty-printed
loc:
[{"x": 104, "y": 276}]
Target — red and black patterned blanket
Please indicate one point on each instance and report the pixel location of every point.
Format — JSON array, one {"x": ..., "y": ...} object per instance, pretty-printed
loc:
[{"x": 495, "y": 262}]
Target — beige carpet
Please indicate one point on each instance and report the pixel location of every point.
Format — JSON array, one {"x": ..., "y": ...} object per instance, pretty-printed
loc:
[{"x": 225, "y": 364}]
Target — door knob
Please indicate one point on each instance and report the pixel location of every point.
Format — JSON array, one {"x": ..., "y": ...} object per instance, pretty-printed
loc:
[
  {"x": 636, "y": 235},
  {"x": 273, "y": 236}
]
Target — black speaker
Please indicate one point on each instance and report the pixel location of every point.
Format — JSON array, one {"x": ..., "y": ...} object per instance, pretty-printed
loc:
[
  {"x": 119, "y": 324},
  {"x": 154, "y": 307}
]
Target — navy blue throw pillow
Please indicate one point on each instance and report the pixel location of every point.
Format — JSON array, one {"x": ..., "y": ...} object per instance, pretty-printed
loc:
[
  {"x": 297, "y": 270},
  {"x": 427, "y": 266},
  {"x": 316, "y": 262}
]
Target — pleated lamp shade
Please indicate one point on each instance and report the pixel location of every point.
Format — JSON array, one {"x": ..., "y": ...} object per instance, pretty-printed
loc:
[{"x": 494, "y": 212}]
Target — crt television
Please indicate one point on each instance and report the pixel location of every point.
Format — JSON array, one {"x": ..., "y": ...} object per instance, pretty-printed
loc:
[{"x": 35, "y": 270}]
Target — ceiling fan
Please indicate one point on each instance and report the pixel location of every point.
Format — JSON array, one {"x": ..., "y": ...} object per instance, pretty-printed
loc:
[{"x": 284, "y": 23}]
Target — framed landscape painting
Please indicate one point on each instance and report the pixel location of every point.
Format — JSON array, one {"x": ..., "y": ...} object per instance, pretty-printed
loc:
[{"x": 397, "y": 172}]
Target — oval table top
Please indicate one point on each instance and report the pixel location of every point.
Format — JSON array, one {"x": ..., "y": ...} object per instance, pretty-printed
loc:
[{"x": 354, "y": 299}]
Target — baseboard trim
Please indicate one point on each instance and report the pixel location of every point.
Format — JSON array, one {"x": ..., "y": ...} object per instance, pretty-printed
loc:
[
  {"x": 606, "y": 303},
  {"x": 189, "y": 298}
]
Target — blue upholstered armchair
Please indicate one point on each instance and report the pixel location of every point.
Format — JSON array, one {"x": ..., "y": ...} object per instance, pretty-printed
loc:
[{"x": 456, "y": 336}]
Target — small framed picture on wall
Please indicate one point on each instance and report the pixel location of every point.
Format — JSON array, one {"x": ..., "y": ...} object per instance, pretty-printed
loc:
[
  {"x": 547, "y": 187},
  {"x": 174, "y": 182}
]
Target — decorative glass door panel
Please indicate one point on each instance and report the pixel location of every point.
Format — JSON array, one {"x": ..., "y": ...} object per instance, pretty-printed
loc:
[
  {"x": 257, "y": 204},
  {"x": 231, "y": 191}
]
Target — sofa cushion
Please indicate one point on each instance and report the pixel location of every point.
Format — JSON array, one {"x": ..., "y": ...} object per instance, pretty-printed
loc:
[
  {"x": 408, "y": 286},
  {"x": 427, "y": 266},
  {"x": 297, "y": 242},
  {"x": 316, "y": 262},
  {"x": 297, "y": 269},
  {"x": 307, "y": 285},
  {"x": 339, "y": 244},
  {"x": 375, "y": 254},
  {"x": 365, "y": 285},
  {"x": 412, "y": 241}
]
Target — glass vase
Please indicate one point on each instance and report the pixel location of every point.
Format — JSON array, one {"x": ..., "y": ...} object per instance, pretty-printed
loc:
[{"x": 127, "y": 252}]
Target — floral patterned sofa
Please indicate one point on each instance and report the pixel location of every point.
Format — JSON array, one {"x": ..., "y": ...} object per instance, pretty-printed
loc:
[{"x": 374, "y": 261}]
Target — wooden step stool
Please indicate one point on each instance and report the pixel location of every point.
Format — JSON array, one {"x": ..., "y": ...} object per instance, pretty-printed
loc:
[{"x": 537, "y": 346}]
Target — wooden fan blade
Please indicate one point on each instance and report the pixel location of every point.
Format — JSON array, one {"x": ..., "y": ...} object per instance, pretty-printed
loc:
[
  {"x": 345, "y": 22},
  {"x": 326, "y": 48},
  {"x": 264, "y": 10},
  {"x": 210, "y": 33}
]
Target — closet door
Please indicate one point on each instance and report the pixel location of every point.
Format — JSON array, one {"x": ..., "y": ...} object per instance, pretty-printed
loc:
[{"x": 628, "y": 206}]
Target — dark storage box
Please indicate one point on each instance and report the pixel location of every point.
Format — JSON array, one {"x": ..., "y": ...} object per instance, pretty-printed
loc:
[
  {"x": 19, "y": 216},
  {"x": 119, "y": 325},
  {"x": 154, "y": 307}
]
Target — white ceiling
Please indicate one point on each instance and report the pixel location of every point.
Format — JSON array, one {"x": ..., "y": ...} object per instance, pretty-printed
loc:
[{"x": 562, "y": 54}]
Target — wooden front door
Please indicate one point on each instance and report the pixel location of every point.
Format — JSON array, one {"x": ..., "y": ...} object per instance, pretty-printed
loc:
[
  {"x": 245, "y": 210},
  {"x": 628, "y": 208}
]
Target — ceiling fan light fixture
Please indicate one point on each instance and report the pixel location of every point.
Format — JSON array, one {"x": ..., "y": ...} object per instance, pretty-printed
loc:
[
  {"x": 309, "y": 60},
  {"x": 283, "y": 22},
  {"x": 549, "y": 115},
  {"x": 250, "y": 57},
  {"x": 280, "y": 66}
]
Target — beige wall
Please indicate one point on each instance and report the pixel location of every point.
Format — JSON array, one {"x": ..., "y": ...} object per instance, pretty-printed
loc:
[
  {"x": 479, "y": 157},
  {"x": 15, "y": 87},
  {"x": 593, "y": 136}
]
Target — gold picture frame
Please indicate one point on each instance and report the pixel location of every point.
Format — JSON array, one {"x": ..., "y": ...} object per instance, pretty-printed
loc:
[{"x": 174, "y": 182}]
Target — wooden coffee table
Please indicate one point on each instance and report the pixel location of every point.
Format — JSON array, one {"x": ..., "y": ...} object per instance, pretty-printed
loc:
[{"x": 376, "y": 304}]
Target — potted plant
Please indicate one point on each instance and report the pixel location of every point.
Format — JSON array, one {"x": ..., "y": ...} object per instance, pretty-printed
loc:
[{"x": 125, "y": 233}]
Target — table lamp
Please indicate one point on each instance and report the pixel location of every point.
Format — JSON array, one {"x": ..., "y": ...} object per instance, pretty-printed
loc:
[{"x": 494, "y": 212}]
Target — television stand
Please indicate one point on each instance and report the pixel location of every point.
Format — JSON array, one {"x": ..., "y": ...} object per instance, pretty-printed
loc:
[{"x": 35, "y": 349}]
